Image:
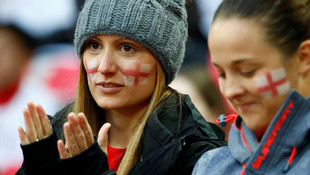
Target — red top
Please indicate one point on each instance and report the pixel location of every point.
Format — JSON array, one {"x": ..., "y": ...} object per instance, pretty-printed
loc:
[
  {"x": 8, "y": 93},
  {"x": 115, "y": 156}
]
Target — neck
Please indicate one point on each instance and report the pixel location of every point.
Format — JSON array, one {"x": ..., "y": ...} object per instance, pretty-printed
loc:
[{"x": 122, "y": 126}]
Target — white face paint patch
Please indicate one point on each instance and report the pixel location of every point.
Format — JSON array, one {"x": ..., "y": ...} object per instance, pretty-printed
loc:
[
  {"x": 136, "y": 74},
  {"x": 91, "y": 70},
  {"x": 273, "y": 83}
]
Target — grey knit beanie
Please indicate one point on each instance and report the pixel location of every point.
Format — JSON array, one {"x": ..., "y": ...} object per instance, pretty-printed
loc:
[{"x": 159, "y": 25}]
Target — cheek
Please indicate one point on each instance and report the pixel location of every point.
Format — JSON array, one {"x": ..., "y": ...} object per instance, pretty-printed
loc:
[
  {"x": 272, "y": 84},
  {"x": 136, "y": 74},
  {"x": 221, "y": 85},
  {"x": 91, "y": 68}
]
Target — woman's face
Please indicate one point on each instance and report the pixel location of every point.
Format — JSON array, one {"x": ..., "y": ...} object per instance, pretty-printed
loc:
[
  {"x": 121, "y": 73},
  {"x": 252, "y": 73}
]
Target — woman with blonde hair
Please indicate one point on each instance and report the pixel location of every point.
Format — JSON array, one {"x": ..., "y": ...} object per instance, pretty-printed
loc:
[{"x": 130, "y": 51}]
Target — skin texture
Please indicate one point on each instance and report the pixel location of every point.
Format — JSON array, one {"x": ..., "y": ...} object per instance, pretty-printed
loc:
[
  {"x": 240, "y": 53},
  {"x": 112, "y": 53}
]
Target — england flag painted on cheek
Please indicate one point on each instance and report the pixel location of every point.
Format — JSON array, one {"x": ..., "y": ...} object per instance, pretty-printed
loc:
[
  {"x": 136, "y": 74},
  {"x": 273, "y": 83},
  {"x": 91, "y": 70}
]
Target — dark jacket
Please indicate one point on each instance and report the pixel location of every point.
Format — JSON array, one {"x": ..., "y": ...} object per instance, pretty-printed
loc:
[
  {"x": 284, "y": 148},
  {"x": 174, "y": 138}
]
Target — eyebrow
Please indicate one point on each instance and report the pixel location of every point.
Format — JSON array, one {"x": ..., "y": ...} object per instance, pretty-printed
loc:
[
  {"x": 96, "y": 38},
  {"x": 240, "y": 61},
  {"x": 123, "y": 38},
  {"x": 119, "y": 39},
  {"x": 236, "y": 62}
]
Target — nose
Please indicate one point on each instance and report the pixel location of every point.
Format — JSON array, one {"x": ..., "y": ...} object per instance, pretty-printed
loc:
[
  {"x": 232, "y": 87},
  {"x": 107, "y": 63}
]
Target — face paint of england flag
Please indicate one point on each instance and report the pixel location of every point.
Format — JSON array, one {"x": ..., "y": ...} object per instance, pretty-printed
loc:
[
  {"x": 91, "y": 70},
  {"x": 273, "y": 83},
  {"x": 136, "y": 74}
]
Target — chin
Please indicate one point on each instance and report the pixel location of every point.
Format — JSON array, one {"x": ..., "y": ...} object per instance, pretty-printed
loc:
[
  {"x": 254, "y": 124},
  {"x": 107, "y": 104},
  {"x": 256, "y": 127}
]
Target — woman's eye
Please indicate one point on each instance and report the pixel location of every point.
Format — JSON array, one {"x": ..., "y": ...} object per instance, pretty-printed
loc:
[
  {"x": 221, "y": 75},
  {"x": 94, "y": 45},
  {"x": 248, "y": 73},
  {"x": 127, "y": 48}
]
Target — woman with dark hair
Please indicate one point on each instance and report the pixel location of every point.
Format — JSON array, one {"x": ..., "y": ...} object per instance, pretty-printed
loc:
[{"x": 261, "y": 50}]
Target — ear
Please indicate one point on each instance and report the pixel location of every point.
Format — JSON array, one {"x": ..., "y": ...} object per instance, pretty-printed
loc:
[{"x": 304, "y": 57}]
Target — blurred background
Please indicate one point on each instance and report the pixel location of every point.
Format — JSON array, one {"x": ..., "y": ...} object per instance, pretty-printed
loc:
[
  {"x": 197, "y": 76},
  {"x": 38, "y": 63}
]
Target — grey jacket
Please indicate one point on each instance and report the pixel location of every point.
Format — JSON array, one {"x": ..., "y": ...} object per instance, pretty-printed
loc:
[{"x": 284, "y": 148}]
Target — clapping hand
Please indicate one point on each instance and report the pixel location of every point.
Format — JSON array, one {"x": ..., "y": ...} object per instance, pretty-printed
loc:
[
  {"x": 37, "y": 125},
  {"x": 79, "y": 136},
  {"x": 78, "y": 133}
]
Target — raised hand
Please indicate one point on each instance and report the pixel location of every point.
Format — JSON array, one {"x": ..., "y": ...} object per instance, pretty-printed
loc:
[
  {"x": 37, "y": 125},
  {"x": 78, "y": 135},
  {"x": 103, "y": 137}
]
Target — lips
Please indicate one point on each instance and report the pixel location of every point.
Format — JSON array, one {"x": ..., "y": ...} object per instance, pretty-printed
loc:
[
  {"x": 109, "y": 87},
  {"x": 245, "y": 106}
]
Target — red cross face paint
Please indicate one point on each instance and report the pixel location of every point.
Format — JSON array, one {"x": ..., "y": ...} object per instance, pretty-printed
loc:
[
  {"x": 91, "y": 68},
  {"x": 273, "y": 83},
  {"x": 136, "y": 74}
]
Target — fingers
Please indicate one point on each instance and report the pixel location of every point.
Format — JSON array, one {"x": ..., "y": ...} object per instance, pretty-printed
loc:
[
  {"x": 31, "y": 133},
  {"x": 22, "y": 136},
  {"x": 103, "y": 137},
  {"x": 71, "y": 143},
  {"x": 63, "y": 153},
  {"x": 36, "y": 120},
  {"x": 78, "y": 135},
  {"x": 37, "y": 124},
  {"x": 45, "y": 122},
  {"x": 86, "y": 129}
]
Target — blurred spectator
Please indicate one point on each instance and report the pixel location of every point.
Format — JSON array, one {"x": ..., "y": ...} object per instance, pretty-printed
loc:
[
  {"x": 44, "y": 77},
  {"x": 197, "y": 77},
  {"x": 37, "y": 63},
  {"x": 196, "y": 45},
  {"x": 206, "y": 10},
  {"x": 200, "y": 15},
  {"x": 40, "y": 19},
  {"x": 205, "y": 95},
  {"x": 196, "y": 82}
]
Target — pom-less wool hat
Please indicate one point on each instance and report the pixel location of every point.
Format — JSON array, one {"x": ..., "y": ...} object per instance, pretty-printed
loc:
[{"x": 159, "y": 25}]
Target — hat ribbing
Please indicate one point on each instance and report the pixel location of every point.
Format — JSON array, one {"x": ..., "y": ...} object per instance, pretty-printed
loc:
[{"x": 159, "y": 25}]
